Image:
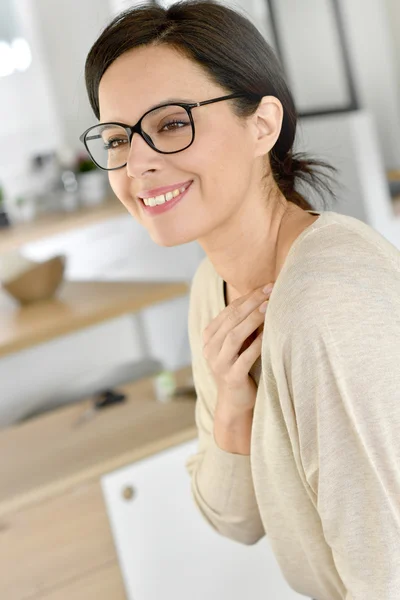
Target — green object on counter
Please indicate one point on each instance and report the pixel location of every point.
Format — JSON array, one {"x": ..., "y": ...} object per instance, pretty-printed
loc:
[{"x": 165, "y": 385}]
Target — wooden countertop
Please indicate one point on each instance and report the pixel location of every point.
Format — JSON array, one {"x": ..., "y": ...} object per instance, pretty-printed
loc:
[
  {"x": 50, "y": 224},
  {"x": 77, "y": 305},
  {"x": 47, "y": 455}
]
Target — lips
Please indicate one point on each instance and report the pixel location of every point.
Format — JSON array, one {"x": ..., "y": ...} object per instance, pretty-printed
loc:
[
  {"x": 158, "y": 209},
  {"x": 163, "y": 190}
]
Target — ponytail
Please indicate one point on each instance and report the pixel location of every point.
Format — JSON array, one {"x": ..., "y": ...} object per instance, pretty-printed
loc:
[{"x": 299, "y": 167}]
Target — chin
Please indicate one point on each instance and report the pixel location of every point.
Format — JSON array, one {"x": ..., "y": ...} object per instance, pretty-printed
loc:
[{"x": 171, "y": 241}]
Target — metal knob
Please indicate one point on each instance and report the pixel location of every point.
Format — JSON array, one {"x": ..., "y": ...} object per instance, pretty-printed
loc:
[{"x": 128, "y": 492}]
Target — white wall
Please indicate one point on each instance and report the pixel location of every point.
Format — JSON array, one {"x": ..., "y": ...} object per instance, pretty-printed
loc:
[
  {"x": 349, "y": 142},
  {"x": 373, "y": 54},
  {"x": 46, "y": 107},
  {"x": 29, "y": 116},
  {"x": 312, "y": 54},
  {"x": 393, "y": 10},
  {"x": 67, "y": 31}
]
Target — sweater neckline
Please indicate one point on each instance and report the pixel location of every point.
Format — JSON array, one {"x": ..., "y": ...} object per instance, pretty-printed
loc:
[{"x": 293, "y": 247}]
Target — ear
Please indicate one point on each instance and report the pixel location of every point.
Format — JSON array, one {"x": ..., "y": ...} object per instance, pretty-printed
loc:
[{"x": 267, "y": 121}]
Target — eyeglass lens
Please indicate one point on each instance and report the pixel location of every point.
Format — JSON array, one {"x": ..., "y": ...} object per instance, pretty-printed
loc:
[{"x": 169, "y": 129}]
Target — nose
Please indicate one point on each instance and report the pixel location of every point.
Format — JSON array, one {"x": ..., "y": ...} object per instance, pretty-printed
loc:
[{"x": 141, "y": 157}]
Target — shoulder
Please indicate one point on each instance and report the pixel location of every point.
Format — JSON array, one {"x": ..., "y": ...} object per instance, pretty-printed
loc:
[
  {"x": 340, "y": 273},
  {"x": 341, "y": 237}
]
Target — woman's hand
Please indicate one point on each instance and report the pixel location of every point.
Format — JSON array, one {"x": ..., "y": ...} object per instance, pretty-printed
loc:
[{"x": 231, "y": 349}]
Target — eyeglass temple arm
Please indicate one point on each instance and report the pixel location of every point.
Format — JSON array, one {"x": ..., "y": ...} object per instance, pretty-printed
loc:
[{"x": 217, "y": 99}]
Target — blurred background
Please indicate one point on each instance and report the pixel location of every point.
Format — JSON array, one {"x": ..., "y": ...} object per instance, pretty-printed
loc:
[
  {"x": 114, "y": 305},
  {"x": 344, "y": 69}
]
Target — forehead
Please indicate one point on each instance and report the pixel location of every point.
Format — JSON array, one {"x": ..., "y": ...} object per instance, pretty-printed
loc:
[{"x": 144, "y": 77}]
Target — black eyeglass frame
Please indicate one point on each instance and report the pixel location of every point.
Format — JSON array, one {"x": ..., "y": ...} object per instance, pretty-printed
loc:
[{"x": 137, "y": 128}]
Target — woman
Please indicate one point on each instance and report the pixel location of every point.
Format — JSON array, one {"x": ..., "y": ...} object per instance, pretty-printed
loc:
[{"x": 298, "y": 409}]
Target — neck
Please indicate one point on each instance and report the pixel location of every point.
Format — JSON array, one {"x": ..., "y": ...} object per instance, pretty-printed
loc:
[{"x": 248, "y": 250}]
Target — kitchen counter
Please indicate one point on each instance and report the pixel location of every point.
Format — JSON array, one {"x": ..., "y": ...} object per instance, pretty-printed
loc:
[
  {"x": 48, "y": 454},
  {"x": 55, "y": 537}
]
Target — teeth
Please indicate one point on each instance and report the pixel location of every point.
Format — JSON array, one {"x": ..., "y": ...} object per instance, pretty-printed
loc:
[{"x": 163, "y": 197}]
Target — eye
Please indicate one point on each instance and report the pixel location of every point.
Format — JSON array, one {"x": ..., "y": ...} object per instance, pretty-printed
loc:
[
  {"x": 114, "y": 143},
  {"x": 172, "y": 125}
]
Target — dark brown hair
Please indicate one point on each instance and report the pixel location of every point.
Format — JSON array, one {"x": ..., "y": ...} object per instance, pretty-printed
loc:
[{"x": 233, "y": 53}]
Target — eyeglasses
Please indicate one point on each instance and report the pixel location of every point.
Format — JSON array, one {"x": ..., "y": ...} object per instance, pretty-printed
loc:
[{"x": 168, "y": 129}]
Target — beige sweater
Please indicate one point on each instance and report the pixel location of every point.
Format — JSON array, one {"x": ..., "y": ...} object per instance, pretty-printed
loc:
[{"x": 323, "y": 478}]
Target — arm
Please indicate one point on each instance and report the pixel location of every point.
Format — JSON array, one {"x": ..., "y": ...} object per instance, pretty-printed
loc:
[
  {"x": 345, "y": 372},
  {"x": 221, "y": 480},
  {"x": 232, "y": 430}
]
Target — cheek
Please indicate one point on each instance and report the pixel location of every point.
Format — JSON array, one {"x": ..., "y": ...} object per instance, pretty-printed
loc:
[
  {"x": 116, "y": 182},
  {"x": 119, "y": 184},
  {"x": 226, "y": 163}
]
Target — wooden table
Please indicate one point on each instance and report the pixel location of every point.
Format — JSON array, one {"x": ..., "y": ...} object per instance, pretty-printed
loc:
[
  {"x": 77, "y": 305},
  {"x": 55, "y": 539}
]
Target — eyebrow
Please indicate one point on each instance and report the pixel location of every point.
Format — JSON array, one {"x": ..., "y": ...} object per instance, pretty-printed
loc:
[
  {"x": 167, "y": 101},
  {"x": 172, "y": 101}
]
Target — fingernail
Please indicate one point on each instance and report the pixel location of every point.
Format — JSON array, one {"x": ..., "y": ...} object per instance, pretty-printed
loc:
[
  {"x": 268, "y": 288},
  {"x": 263, "y": 307}
]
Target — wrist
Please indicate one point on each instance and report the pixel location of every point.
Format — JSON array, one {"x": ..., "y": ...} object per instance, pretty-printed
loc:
[
  {"x": 232, "y": 417},
  {"x": 232, "y": 429}
]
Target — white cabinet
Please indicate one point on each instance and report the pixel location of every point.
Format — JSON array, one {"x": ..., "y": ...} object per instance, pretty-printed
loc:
[{"x": 167, "y": 549}]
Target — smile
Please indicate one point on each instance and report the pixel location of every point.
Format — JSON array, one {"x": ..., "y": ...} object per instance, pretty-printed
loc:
[
  {"x": 162, "y": 198},
  {"x": 164, "y": 202}
]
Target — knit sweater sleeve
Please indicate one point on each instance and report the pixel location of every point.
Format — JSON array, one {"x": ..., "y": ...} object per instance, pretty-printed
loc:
[{"x": 221, "y": 482}]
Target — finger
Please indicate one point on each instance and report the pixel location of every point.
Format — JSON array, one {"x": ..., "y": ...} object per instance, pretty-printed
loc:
[
  {"x": 235, "y": 312},
  {"x": 230, "y": 341},
  {"x": 243, "y": 363},
  {"x": 215, "y": 324}
]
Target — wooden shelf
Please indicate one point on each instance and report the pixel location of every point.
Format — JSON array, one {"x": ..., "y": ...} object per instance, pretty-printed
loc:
[
  {"x": 393, "y": 175},
  {"x": 51, "y": 453},
  {"x": 50, "y": 224},
  {"x": 76, "y": 306}
]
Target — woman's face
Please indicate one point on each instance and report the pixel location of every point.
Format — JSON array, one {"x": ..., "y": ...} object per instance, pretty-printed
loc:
[{"x": 219, "y": 163}]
